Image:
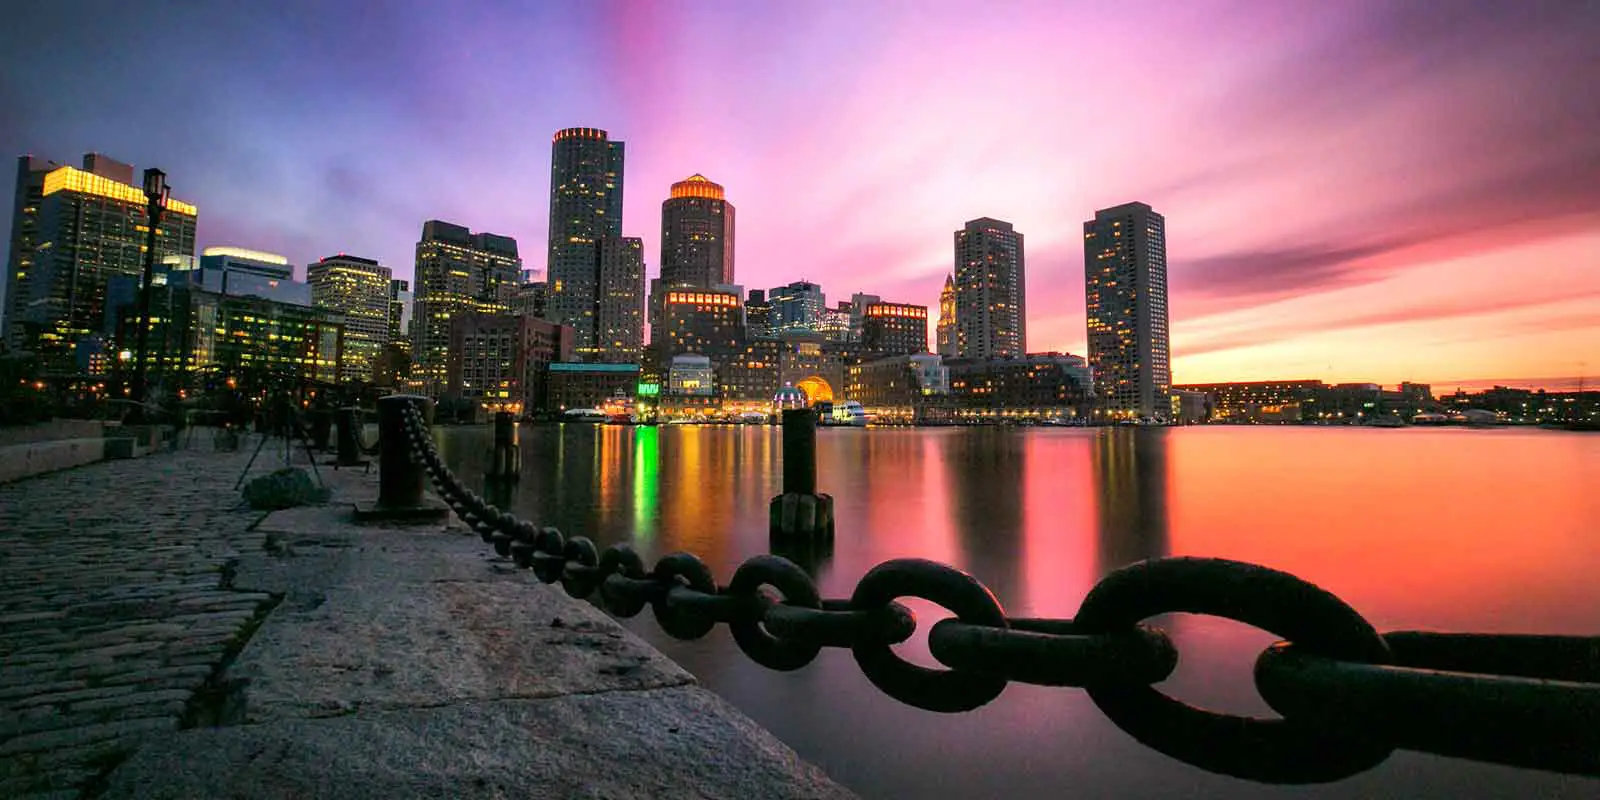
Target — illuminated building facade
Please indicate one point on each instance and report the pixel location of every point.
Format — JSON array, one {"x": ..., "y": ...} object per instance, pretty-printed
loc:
[
  {"x": 458, "y": 272},
  {"x": 247, "y": 337},
  {"x": 893, "y": 329},
  {"x": 1256, "y": 401},
  {"x": 246, "y": 273},
  {"x": 691, "y": 385},
  {"x": 834, "y": 325},
  {"x": 532, "y": 298},
  {"x": 24, "y": 245},
  {"x": 498, "y": 361},
  {"x": 991, "y": 291},
  {"x": 586, "y": 169},
  {"x": 399, "y": 313},
  {"x": 1032, "y": 386},
  {"x": 796, "y": 308},
  {"x": 83, "y": 227},
  {"x": 748, "y": 381},
  {"x": 619, "y": 311},
  {"x": 697, "y": 224},
  {"x": 574, "y": 385},
  {"x": 900, "y": 388},
  {"x": 358, "y": 290},
  {"x": 702, "y": 321},
  {"x": 1125, "y": 287},
  {"x": 757, "y": 315},
  {"x": 947, "y": 319}
]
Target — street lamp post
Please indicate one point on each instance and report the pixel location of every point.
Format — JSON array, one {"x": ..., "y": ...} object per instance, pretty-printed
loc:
[{"x": 156, "y": 192}]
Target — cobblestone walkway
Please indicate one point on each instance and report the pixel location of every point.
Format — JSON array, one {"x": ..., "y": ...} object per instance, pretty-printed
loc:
[{"x": 116, "y": 610}]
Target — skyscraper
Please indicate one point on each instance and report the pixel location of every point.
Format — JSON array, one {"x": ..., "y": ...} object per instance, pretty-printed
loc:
[
  {"x": 947, "y": 319},
  {"x": 797, "y": 308},
  {"x": 585, "y": 208},
  {"x": 758, "y": 315},
  {"x": 84, "y": 227},
  {"x": 24, "y": 244},
  {"x": 619, "y": 310},
  {"x": 990, "y": 283},
  {"x": 696, "y": 239},
  {"x": 399, "y": 313},
  {"x": 357, "y": 289},
  {"x": 1125, "y": 287},
  {"x": 457, "y": 272}
]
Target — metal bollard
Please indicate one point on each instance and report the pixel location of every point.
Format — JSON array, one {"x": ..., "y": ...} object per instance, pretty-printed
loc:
[
  {"x": 321, "y": 428},
  {"x": 800, "y": 513},
  {"x": 505, "y": 461},
  {"x": 400, "y": 479},
  {"x": 350, "y": 438},
  {"x": 799, "y": 451}
]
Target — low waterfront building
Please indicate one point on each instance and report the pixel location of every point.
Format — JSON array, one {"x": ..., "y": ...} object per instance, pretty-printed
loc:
[
  {"x": 1032, "y": 386},
  {"x": 587, "y": 385},
  {"x": 748, "y": 381},
  {"x": 498, "y": 361},
  {"x": 691, "y": 386},
  {"x": 1257, "y": 401},
  {"x": 901, "y": 388}
]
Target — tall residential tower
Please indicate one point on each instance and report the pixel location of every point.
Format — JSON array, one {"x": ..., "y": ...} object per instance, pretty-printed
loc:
[
  {"x": 1125, "y": 287},
  {"x": 991, "y": 296},
  {"x": 585, "y": 208},
  {"x": 358, "y": 290},
  {"x": 458, "y": 272},
  {"x": 696, "y": 239}
]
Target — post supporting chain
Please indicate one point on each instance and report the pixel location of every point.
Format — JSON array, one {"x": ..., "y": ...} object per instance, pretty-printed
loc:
[{"x": 1348, "y": 695}]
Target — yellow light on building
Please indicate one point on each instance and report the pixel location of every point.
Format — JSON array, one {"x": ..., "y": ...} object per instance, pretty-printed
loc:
[{"x": 67, "y": 179}]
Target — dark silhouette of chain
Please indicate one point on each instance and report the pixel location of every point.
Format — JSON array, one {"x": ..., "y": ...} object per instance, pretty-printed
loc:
[{"x": 1348, "y": 695}]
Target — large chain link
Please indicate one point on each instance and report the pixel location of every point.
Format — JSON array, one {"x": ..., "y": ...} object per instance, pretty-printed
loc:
[{"x": 1348, "y": 695}]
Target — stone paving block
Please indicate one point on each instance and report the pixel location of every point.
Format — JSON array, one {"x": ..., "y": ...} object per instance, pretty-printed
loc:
[
  {"x": 66, "y": 737},
  {"x": 681, "y": 742},
  {"x": 138, "y": 698},
  {"x": 73, "y": 696}
]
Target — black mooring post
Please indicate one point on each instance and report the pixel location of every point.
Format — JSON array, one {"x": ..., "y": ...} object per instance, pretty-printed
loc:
[
  {"x": 350, "y": 438},
  {"x": 504, "y": 459},
  {"x": 400, "y": 479},
  {"x": 799, "y": 451},
  {"x": 800, "y": 514}
]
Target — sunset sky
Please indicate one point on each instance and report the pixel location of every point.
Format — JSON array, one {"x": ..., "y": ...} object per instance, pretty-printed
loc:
[{"x": 1353, "y": 191}]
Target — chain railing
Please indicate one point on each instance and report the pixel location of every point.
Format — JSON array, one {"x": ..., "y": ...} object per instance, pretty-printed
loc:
[{"x": 1348, "y": 696}]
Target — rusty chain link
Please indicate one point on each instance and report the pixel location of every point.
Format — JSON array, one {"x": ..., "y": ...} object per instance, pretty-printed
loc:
[{"x": 1348, "y": 696}]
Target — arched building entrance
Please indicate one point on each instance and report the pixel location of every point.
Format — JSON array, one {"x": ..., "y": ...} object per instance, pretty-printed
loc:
[{"x": 817, "y": 389}]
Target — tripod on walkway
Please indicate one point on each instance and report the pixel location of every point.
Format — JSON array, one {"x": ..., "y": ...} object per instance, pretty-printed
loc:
[{"x": 282, "y": 421}]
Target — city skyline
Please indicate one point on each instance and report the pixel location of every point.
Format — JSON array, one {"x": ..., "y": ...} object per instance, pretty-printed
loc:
[{"x": 1334, "y": 212}]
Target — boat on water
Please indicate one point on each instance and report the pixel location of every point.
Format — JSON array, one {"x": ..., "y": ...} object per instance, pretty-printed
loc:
[
  {"x": 849, "y": 414},
  {"x": 586, "y": 415}
]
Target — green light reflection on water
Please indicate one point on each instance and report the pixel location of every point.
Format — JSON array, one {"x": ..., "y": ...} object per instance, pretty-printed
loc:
[{"x": 646, "y": 482}]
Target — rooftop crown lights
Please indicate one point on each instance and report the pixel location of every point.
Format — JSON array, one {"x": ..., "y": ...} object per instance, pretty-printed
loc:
[{"x": 68, "y": 179}]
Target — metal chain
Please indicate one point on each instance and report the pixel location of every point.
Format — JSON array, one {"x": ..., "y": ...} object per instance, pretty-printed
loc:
[{"x": 1348, "y": 695}]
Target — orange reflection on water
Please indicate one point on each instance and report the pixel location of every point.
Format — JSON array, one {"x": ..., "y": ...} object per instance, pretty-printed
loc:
[{"x": 1446, "y": 529}]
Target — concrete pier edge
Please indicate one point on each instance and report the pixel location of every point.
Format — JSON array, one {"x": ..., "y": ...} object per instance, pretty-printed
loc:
[{"x": 408, "y": 661}]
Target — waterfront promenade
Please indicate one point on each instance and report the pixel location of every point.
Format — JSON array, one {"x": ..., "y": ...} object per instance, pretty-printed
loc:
[{"x": 159, "y": 639}]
